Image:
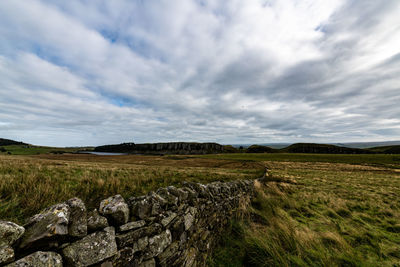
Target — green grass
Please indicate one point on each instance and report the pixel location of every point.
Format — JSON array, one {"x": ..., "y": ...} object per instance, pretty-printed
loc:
[
  {"x": 390, "y": 161},
  {"x": 30, "y": 184},
  {"x": 34, "y": 150},
  {"x": 319, "y": 214}
]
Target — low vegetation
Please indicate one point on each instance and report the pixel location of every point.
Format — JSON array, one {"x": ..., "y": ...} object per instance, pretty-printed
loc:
[
  {"x": 319, "y": 214},
  {"x": 313, "y": 210},
  {"x": 31, "y": 183}
]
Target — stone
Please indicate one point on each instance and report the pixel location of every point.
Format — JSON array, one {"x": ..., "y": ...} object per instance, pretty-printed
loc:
[
  {"x": 115, "y": 209},
  {"x": 6, "y": 255},
  {"x": 141, "y": 244},
  {"x": 141, "y": 207},
  {"x": 178, "y": 192},
  {"x": 148, "y": 263},
  {"x": 158, "y": 243},
  {"x": 50, "y": 223},
  {"x": 190, "y": 257},
  {"x": 132, "y": 225},
  {"x": 189, "y": 219},
  {"x": 170, "y": 198},
  {"x": 39, "y": 259},
  {"x": 169, "y": 254},
  {"x": 78, "y": 218},
  {"x": 95, "y": 221},
  {"x": 9, "y": 233},
  {"x": 91, "y": 249},
  {"x": 167, "y": 220},
  {"x": 128, "y": 238}
]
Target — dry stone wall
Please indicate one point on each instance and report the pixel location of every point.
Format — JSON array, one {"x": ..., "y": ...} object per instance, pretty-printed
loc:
[{"x": 169, "y": 227}]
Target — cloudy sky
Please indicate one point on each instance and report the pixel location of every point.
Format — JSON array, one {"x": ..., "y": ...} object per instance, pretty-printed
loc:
[{"x": 254, "y": 71}]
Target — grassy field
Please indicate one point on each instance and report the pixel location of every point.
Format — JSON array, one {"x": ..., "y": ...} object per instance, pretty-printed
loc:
[
  {"x": 314, "y": 210},
  {"x": 31, "y": 183},
  {"x": 36, "y": 150},
  {"x": 319, "y": 214}
]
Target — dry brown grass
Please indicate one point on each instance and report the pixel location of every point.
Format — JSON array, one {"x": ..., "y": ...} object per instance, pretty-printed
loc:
[{"x": 31, "y": 183}]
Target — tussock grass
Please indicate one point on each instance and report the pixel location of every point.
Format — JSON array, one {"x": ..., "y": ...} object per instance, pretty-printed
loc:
[
  {"x": 29, "y": 184},
  {"x": 334, "y": 215}
]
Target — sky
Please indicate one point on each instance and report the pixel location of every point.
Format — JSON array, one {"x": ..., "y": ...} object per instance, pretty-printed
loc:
[{"x": 257, "y": 71}]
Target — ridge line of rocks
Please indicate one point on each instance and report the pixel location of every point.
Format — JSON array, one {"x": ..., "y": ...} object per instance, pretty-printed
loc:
[{"x": 169, "y": 227}]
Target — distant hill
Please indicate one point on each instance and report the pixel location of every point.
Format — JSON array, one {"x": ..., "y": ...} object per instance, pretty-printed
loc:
[
  {"x": 386, "y": 149},
  {"x": 9, "y": 142},
  {"x": 163, "y": 148},
  {"x": 260, "y": 149},
  {"x": 367, "y": 144},
  {"x": 323, "y": 149}
]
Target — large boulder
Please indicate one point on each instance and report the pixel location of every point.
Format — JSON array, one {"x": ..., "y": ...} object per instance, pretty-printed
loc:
[
  {"x": 49, "y": 224},
  {"x": 115, "y": 209},
  {"x": 39, "y": 259},
  {"x": 9, "y": 233},
  {"x": 91, "y": 249},
  {"x": 78, "y": 218}
]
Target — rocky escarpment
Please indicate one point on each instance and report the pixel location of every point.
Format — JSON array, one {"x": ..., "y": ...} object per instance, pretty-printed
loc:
[
  {"x": 169, "y": 227},
  {"x": 163, "y": 148}
]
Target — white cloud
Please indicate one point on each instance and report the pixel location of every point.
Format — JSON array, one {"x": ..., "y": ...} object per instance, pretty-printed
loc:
[{"x": 78, "y": 72}]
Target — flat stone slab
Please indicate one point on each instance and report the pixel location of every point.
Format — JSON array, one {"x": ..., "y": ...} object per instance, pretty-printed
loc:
[
  {"x": 49, "y": 223},
  {"x": 91, "y": 249},
  {"x": 39, "y": 259}
]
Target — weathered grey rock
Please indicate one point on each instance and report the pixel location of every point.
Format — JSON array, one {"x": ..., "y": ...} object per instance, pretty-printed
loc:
[
  {"x": 169, "y": 255},
  {"x": 9, "y": 233},
  {"x": 189, "y": 219},
  {"x": 170, "y": 198},
  {"x": 141, "y": 244},
  {"x": 78, "y": 217},
  {"x": 39, "y": 259},
  {"x": 128, "y": 238},
  {"x": 91, "y": 249},
  {"x": 50, "y": 223},
  {"x": 95, "y": 221},
  {"x": 167, "y": 220},
  {"x": 6, "y": 255},
  {"x": 148, "y": 263},
  {"x": 158, "y": 243},
  {"x": 146, "y": 206},
  {"x": 132, "y": 225},
  {"x": 178, "y": 192},
  {"x": 115, "y": 209}
]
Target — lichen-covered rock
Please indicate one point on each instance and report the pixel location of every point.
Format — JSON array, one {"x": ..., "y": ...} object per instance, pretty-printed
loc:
[
  {"x": 115, "y": 209},
  {"x": 170, "y": 198},
  {"x": 6, "y": 255},
  {"x": 91, "y": 249},
  {"x": 169, "y": 255},
  {"x": 9, "y": 233},
  {"x": 148, "y": 263},
  {"x": 170, "y": 217},
  {"x": 141, "y": 244},
  {"x": 128, "y": 238},
  {"x": 146, "y": 206},
  {"x": 95, "y": 221},
  {"x": 158, "y": 243},
  {"x": 78, "y": 217},
  {"x": 39, "y": 259},
  {"x": 50, "y": 223},
  {"x": 132, "y": 225}
]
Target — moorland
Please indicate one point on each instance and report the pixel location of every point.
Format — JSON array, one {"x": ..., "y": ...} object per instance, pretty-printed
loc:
[{"x": 311, "y": 210}]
